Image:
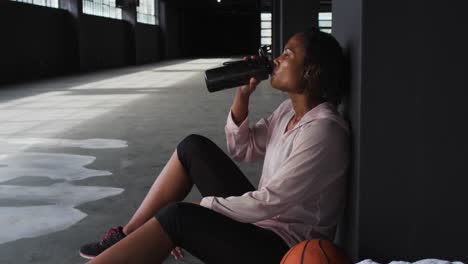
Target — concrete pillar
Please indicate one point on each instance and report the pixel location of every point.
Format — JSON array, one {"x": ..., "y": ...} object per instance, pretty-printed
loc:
[
  {"x": 290, "y": 17},
  {"x": 129, "y": 14},
  {"x": 170, "y": 27},
  {"x": 407, "y": 192},
  {"x": 75, "y": 8},
  {"x": 347, "y": 29}
]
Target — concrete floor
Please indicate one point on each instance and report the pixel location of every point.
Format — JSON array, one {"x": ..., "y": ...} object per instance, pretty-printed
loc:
[{"x": 79, "y": 153}]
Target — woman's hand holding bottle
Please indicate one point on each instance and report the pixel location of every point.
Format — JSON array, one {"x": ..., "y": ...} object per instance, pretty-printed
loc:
[{"x": 248, "y": 89}]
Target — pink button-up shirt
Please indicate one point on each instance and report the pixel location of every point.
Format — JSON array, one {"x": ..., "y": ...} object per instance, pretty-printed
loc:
[{"x": 301, "y": 191}]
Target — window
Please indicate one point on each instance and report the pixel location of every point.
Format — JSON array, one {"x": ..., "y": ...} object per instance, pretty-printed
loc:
[
  {"x": 48, "y": 3},
  {"x": 325, "y": 22},
  {"x": 265, "y": 29},
  {"x": 147, "y": 12},
  {"x": 103, "y": 8}
]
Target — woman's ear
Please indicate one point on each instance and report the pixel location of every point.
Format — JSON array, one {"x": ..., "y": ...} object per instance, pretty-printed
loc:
[{"x": 311, "y": 71}]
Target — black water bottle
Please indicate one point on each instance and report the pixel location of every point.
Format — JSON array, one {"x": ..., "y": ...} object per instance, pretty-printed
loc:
[{"x": 237, "y": 73}]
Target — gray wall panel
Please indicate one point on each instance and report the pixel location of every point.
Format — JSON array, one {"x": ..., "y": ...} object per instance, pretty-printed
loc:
[
  {"x": 407, "y": 197},
  {"x": 35, "y": 42},
  {"x": 40, "y": 42}
]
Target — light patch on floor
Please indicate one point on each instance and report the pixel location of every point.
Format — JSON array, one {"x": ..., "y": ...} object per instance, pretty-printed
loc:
[
  {"x": 55, "y": 166},
  {"x": 26, "y": 222},
  {"x": 52, "y": 113},
  {"x": 139, "y": 80},
  {"x": 194, "y": 65},
  {"x": 30, "y": 217},
  {"x": 64, "y": 194},
  {"x": 159, "y": 77},
  {"x": 93, "y": 143},
  {"x": 34, "y": 121}
]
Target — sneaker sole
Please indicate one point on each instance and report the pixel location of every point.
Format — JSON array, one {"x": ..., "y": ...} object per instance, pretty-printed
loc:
[{"x": 86, "y": 256}]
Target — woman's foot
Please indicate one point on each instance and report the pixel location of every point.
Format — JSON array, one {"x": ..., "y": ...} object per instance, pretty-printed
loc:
[{"x": 91, "y": 250}]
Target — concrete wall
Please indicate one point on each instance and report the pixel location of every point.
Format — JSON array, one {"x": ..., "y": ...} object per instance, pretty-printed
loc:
[
  {"x": 206, "y": 28},
  {"x": 148, "y": 44},
  {"x": 74, "y": 42},
  {"x": 212, "y": 34},
  {"x": 35, "y": 42},
  {"x": 104, "y": 43},
  {"x": 42, "y": 42},
  {"x": 347, "y": 29},
  {"x": 408, "y": 88}
]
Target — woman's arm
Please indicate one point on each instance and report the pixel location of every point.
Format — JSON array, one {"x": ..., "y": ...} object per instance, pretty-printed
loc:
[
  {"x": 320, "y": 157},
  {"x": 240, "y": 106},
  {"x": 245, "y": 143}
]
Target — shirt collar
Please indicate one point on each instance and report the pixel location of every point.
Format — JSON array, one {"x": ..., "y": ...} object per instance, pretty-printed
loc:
[{"x": 321, "y": 110}]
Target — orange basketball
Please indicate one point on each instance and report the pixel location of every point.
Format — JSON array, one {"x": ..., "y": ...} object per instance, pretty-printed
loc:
[{"x": 315, "y": 252}]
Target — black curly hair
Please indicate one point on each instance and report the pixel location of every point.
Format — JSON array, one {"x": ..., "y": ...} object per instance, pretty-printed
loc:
[{"x": 323, "y": 51}]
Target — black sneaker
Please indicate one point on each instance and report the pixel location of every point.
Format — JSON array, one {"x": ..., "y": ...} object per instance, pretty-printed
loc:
[{"x": 91, "y": 250}]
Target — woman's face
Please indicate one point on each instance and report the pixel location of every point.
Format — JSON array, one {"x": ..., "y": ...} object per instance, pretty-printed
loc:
[{"x": 288, "y": 74}]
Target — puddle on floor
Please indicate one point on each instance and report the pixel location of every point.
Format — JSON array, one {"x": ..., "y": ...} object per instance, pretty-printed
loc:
[{"x": 47, "y": 204}]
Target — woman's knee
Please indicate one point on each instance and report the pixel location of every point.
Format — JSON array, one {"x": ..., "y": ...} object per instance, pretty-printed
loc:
[
  {"x": 193, "y": 144},
  {"x": 174, "y": 216},
  {"x": 193, "y": 141}
]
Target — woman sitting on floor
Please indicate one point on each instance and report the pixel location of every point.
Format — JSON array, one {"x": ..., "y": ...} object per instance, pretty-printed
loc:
[{"x": 305, "y": 147}]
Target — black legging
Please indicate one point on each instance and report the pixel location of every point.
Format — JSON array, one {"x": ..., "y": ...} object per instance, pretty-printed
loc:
[{"x": 210, "y": 236}]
